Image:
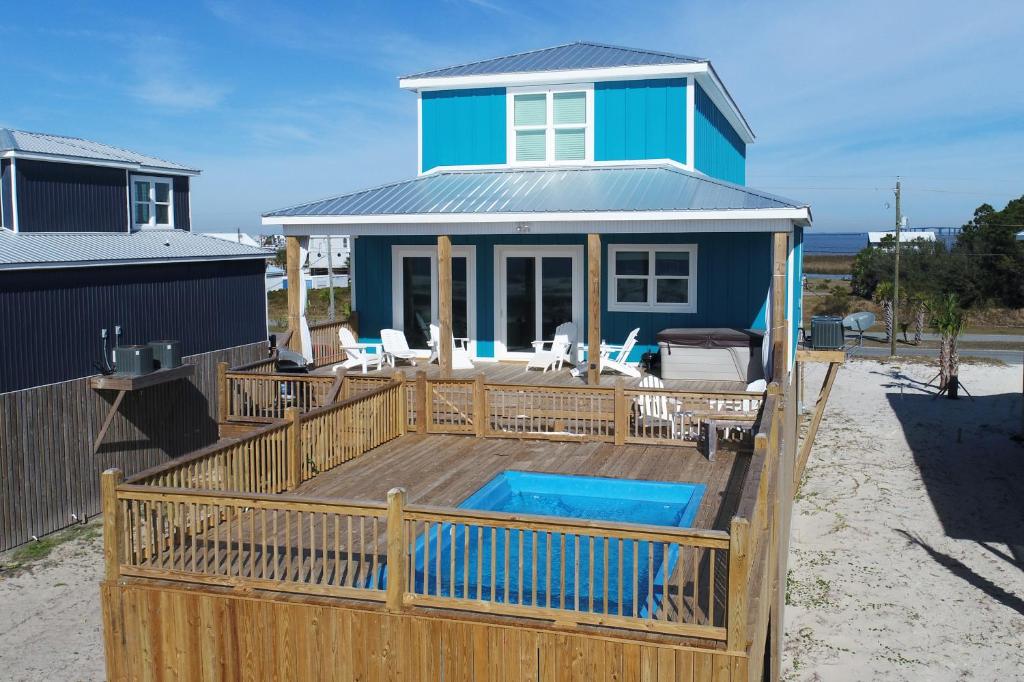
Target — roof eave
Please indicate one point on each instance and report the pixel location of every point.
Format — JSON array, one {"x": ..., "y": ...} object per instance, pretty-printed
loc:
[
  {"x": 106, "y": 163},
  {"x": 61, "y": 265}
]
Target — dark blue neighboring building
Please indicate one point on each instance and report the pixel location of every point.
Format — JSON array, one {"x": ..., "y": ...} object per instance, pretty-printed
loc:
[{"x": 94, "y": 237}]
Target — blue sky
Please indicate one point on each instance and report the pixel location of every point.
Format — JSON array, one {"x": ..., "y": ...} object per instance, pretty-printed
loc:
[{"x": 285, "y": 102}]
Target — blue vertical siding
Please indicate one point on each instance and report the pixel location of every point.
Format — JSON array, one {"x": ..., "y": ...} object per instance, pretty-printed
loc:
[
  {"x": 635, "y": 120},
  {"x": 68, "y": 197},
  {"x": 181, "y": 198},
  {"x": 207, "y": 306},
  {"x": 718, "y": 150},
  {"x": 463, "y": 127},
  {"x": 733, "y": 278}
]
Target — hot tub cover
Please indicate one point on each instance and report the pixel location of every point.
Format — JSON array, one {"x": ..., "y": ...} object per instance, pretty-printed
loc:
[{"x": 711, "y": 337}]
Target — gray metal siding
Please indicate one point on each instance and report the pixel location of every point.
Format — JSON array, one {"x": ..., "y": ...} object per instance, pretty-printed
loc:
[
  {"x": 67, "y": 197},
  {"x": 182, "y": 219},
  {"x": 50, "y": 320}
]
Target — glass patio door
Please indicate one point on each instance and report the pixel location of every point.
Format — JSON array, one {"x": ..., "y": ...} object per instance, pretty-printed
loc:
[
  {"x": 538, "y": 292},
  {"x": 415, "y": 293}
]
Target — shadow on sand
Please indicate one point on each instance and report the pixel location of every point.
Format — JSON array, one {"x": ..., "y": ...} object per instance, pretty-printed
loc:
[{"x": 973, "y": 471}]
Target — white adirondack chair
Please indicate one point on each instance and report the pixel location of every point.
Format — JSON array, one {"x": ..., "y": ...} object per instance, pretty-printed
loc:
[
  {"x": 557, "y": 352},
  {"x": 358, "y": 354},
  {"x": 396, "y": 347},
  {"x": 460, "y": 349},
  {"x": 658, "y": 411},
  {"x": 615, "y": 358}
]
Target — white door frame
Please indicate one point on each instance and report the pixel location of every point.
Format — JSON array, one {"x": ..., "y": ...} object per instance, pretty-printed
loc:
[
  {"x": 501, "y": 253},
  {"x": 400, "y": 251}
]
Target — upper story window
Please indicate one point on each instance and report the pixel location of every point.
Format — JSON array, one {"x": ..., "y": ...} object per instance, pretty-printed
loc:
[
  {"x": 152, "y": 204},
  {"x": 551, "y": 125},
  {"x": 652, "y": 278}
]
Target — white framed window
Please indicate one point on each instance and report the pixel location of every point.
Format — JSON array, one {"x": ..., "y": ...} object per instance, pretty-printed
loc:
[
  {"x": 550, "y": 125},
  {"x": 647, "y": 278},
  {"x": 152, "y": 201}
]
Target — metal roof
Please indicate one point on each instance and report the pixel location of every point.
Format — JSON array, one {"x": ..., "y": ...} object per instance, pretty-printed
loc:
[
  {"x": 34, "y": 250},
  {"x": 62, "y": 146},
  {"x": 578, "y": 55},
  {"x": 653, "y": 187}
]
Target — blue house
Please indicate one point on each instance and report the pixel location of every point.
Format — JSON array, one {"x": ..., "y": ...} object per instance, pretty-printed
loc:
[{"x": 560, "y": 176}]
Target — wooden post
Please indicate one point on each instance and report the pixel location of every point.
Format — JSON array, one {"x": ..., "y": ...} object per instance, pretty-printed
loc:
[
  {"x": 421, "y": 402},
  {"x": 222, "y": 392},
  {"x": 397, "y": 569},
  {"x": 739, "y": 570},
  {"x": 293, "y": 416},
  {"x": 480, "y": 417},
  {"x": 334, "y": 394},
  {"x": 113, "y": 523},
  {"x": 402, "y": 420},
  {"x": 444, "y": 304},
  {"x": 621, "y": 412},
  {"x": 593, "y": 309},
  {"x": 780, "y": 359},
  {"x": 294, "y": 272}
]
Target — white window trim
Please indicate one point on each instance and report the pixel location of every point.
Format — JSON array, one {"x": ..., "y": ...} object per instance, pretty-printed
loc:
[
  {"x": 152, "y": 224},
  {"x": 652, "y": 306},
  {"x": 502, "y": 252},
  {"x": 550, "y": 125},
  {"x": 399, "y": 251}
]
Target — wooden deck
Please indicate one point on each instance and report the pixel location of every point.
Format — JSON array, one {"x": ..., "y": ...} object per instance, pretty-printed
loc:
[
  {"x": 516, "y": 373},
  {"x": 444, "y": 470}
]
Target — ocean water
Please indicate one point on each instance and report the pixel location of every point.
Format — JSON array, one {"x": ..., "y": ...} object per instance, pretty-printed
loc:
[{"x": 849, "y": 243}]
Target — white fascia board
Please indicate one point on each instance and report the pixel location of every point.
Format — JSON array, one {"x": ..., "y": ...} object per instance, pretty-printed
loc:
[
  {"x": 560, "y": 164},
  {"x": 106, "y": 163},
  {"x": 718, "y": 93},
  {"x": 551, "y": 77},
  {"x": 795, "y": 214}
]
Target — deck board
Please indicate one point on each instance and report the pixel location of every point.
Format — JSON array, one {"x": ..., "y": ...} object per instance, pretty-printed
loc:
[
  {"x": 446, "y": 469},
  {"x": 516, "y": 373}
]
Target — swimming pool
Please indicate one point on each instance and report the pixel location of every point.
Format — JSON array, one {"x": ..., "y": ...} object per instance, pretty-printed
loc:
[{"x": 603, "y": 576}]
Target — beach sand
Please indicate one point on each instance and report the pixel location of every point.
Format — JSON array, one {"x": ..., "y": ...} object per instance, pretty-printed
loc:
[
  {"x": 907, "y": 547},
  {"x": 900, "y": 561}
]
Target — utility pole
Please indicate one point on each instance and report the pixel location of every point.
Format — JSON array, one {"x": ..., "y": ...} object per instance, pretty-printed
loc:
[
  {"x": 330, "y": 279},
  {"x": 896, "y": 276}
]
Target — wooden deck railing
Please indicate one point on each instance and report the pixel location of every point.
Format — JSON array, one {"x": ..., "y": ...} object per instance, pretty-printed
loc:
[
  {"x": 264, "y": 396},
  {"x": 646, "y": 578},
  {"x": 326, "y": 344},
  {"x": 280, "y": 456}
]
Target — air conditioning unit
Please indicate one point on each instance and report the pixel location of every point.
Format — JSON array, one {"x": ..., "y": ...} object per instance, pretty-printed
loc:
[
  {"x": 826, "y": 332},
  {"x": 133, "y": 360},
  {"x": 166, "y": 354}
]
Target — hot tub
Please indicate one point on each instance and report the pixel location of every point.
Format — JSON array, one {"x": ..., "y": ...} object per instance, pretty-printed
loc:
[{"x": 711, "y": 354}]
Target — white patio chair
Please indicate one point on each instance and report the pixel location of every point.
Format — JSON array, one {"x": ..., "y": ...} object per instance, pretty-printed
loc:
[
  {"x": 615, "y": 358},
  {"x": 558, "y": 353},
  {"x": 396, "y": 347},
  {"x": 460, "y": 349},
  {"x": 358, "y": 354},
  {"x": 657, "y": 411}
]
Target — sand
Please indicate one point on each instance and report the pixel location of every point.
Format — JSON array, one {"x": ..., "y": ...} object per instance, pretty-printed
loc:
[
  {"x": 907, "y": 549},
  {"x": 901, "y": 559}
]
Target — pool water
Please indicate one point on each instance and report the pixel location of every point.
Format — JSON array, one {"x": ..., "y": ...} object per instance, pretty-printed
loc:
[{"x": 596, "y": 573}]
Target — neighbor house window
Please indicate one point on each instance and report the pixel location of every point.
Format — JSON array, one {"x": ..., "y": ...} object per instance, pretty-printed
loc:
[
  {"x": 652, "y": 277},
  {"x": 551, "y": 125},
  {"x": 151, "y": 202}
]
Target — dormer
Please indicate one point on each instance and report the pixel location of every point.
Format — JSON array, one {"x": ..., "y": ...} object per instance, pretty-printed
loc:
[
  {"x": 55, "y": 183},
  {"x": 580, "y": 104}
]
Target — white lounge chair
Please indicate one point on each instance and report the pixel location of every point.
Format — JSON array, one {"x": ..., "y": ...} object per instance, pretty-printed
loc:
[
  {"x": 558, "y": 352},
  {"x": 358, "y": 354},
  {"x": 460, "y": 349},
  {"x": 396, "y": 347},
  {"x": 615, "y": 358},
  {"x": 658, "y": 411}
]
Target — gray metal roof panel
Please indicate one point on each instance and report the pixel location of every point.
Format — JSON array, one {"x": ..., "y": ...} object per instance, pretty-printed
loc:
[
  {"x": 545, "y": 190},
  {"x": 578, "y": 55},
  {"x": 60, "y": 145},
  {"x": 65, "y": 249}
]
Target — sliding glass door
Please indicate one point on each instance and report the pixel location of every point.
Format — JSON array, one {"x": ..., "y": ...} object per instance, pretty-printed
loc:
[
  {"x": 415, "y": 292},
  {"x": 538, "y": 289}
]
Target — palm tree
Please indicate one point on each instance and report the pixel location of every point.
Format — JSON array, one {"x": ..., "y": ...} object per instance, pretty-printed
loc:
[
  {"x": 948, "y": 319},
  {"x": 884, "y": 296},
  {"x": 920, "y": 311}
]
